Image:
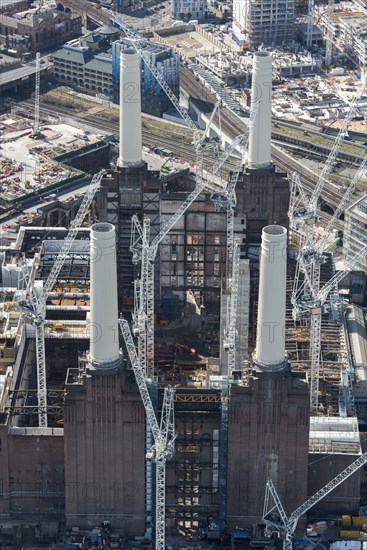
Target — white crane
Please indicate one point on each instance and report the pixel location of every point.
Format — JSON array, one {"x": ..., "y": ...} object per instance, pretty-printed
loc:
[
  {"x": 230, "y": 332},
  {"x": 33, "y": 308},
  {"x": 144, "y": 305},
  {"x": 303, "y": 215},
  {"x": 329, "y": 33},
  {"x": 163, "y": 434},
  {"x": 138, "y": 42},
  {"x": 274, "y": 516},
  {"x": 36, "y": 127},
  {"x": 144, "y": 310},
  {"x": 315, "y": 306},
  {"x": 310, "y": 16}
]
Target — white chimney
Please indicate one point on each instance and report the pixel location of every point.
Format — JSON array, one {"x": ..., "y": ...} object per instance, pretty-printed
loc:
[
  {"x": 130, "y": 152},
  {"x": 104, "y": 341},
  {"x": 259, "y": 149},
  {"x": 270, "y": 337}
]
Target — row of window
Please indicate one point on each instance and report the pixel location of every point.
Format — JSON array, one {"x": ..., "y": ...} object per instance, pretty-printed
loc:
[
  {"x": 80, "y": 83},
  {"x": 82, "y": 70}
]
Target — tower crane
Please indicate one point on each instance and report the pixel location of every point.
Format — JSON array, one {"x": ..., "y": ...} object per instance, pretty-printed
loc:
[
  {"x": 33, "y": 307},
  {"x": 303, "y": 215},
  {"x": 329, "y": 33},
  {"x": 310, "y": 16},
  {"x": 144, "y": 313},
  {"x": 274, "y": 516},
  {"x": 229, "y": 341},
  {"x": 36, "y": 127},
  {"x": 163, "y": 434},
  {"x": 315, "y": 306}
]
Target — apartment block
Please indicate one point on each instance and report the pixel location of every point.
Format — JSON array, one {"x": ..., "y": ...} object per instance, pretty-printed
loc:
[{"x": 264, "y": 22}]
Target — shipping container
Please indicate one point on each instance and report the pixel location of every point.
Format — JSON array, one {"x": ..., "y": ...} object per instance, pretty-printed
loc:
[
  {"x": 357, "y": 521},
  {"x": 346, "y": 521}
]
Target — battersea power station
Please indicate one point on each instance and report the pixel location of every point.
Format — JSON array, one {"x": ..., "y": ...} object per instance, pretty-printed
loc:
[{"x": 153, "y": 373}]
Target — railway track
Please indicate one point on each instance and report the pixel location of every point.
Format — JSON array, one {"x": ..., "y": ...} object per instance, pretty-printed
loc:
[
  {"x": 157, "y": 132},
  {"x": 154, "y": 133}
]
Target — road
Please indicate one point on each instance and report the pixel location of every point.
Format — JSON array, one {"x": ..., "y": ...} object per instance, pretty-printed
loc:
[{"x": 24, "y": 71}]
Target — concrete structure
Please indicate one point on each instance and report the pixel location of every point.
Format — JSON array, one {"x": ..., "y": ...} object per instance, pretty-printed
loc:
[
  {"x": 259, "y": 147},
  {"x": 98, "y": 423},
  {"x": 268, "y": 430},
  {"x": 131, "y": 188},
  {"x": 262, "y": 194},
  {"x": 270, "y": 339},
  {"x": 349, "y": 31},
  {"x": 270, "y": 22},
  {"x": 130, "y": 151},
  {"x": 19, "y": 81},
  {"x": 269, "y": 418},
  {"x": 104, "y": 342},
  {"x": 154, "y": 101}
]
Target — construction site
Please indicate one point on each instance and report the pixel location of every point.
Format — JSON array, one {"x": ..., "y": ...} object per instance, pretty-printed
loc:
[{"x": 189, "y": 362}]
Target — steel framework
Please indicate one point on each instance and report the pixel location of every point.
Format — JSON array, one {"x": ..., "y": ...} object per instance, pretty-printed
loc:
[{"x": 33, "y": 308}]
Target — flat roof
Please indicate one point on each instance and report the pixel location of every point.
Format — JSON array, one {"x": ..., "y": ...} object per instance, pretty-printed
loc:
[{"x": 335, "y": 435}]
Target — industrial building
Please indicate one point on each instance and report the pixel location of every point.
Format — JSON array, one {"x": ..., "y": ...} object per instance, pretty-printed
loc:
[{"x": 242, "y": 405}]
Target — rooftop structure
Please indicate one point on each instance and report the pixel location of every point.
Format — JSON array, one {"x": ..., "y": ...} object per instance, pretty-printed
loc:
[
  {"x": 104, "y": 344},
  {"x": 270, "y": 336},
  {"x": 130, "y": 151}
]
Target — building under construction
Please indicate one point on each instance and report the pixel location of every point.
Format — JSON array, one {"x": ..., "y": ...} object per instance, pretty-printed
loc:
[{"x": 73, "y": 429}]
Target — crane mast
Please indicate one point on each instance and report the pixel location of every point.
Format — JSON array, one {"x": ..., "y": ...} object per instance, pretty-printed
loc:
[
  {"x": 138, "y": 41},
  {"x": 163, "y": 434},
  {"x": 311, "y": 8},
  {"x": 33, "y": 308},
  {"x": 329, "y": 33},
  {"x": 36, "y": 127},
  {"x": 229, "y": 343},
  {"x": 303, "y": 214}
]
